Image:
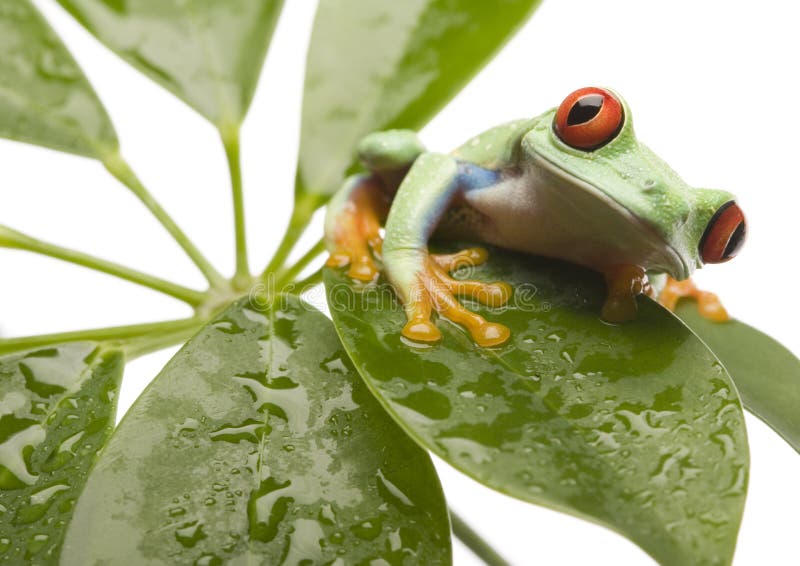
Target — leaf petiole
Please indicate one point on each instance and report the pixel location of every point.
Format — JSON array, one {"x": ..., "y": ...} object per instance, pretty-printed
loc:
[
  {"x": 17, "y": 240},
  {"x": 475, "y": 542},
  {"x": 119, "y": 168},
  {"x": 288, "y": 275},
  {"x": 306, "y": 204},
  {"x": 113, "y": 336},
  {"x": 300, "y": 287},
  {"x": 230, "y": 140}
]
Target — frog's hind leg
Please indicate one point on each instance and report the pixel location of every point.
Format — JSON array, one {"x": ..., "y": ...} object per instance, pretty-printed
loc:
[
  {"x": 355, "y": 214},
  {"x": 352, "y": 226},
  {"x": 434, "y": 289},
  {"x": 708, "y": 304}
]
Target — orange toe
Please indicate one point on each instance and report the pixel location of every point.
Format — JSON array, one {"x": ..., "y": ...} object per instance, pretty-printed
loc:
[{"x": 421, "y": 331}]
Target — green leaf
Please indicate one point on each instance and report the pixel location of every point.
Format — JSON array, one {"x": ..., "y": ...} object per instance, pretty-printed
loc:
[
  {"x": 386, "y": 64},
  {"x": 259, "y": 442},
  {"x": 45, "y": 99},
  {"x": 57, "y": 408},
  {"x": 208, "y": 53},
  {"x": 765, "y": 372},
  {"x": 636, "y": 427}
]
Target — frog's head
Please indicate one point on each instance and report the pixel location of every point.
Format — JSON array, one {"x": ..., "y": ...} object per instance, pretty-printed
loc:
[{"x": 589, "y": 142}]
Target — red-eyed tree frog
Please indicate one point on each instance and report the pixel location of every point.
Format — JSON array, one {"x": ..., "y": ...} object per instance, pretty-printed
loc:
[{"x": 573, "y": 183}]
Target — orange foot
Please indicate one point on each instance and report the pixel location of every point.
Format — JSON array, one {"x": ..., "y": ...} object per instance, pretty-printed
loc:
[
  {"x": 435, "y": 289},
  {"x": 624, "y": 283},
  {"x": 357, "y": 234},
  {"x": 708, "y": 304}
]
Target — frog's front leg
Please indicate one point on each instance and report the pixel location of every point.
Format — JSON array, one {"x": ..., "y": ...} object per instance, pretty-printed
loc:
[
  {"x": 421, "y": 280},
  {"x": 352, "y": 226},
  {"x": 624, "y": 282},
  {"x": 708, "y": 304}
]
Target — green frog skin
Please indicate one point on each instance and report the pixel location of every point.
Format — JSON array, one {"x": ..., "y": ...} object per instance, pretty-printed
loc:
[{"x": 573, "y": 183}]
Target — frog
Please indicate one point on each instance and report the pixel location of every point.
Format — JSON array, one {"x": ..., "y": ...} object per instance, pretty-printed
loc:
[{"x": 573, "y": 183}]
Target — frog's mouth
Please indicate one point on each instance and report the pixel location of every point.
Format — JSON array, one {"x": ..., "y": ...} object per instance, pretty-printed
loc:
[{"x": 669, "y": 260}]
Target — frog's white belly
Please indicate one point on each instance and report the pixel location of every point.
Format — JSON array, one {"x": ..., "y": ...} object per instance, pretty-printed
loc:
[{"x": 545, "y": 211}]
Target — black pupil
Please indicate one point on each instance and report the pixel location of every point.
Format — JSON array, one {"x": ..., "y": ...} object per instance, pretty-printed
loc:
[
  {"x": 736, "y": 241},
  {"x": 584, "y": 109}
]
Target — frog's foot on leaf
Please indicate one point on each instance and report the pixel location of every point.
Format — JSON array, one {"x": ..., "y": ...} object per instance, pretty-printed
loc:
[
  {"x": 435, "y": 289},
  {"x": 624, "y": 283},
  {"x": 708, "y": 304},
  {"x": 356, "y": 236}
]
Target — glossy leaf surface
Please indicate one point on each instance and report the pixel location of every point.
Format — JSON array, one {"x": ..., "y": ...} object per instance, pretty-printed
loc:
[
  {"x": 766, "y": 373},
  {"x": 206, "y": 52},
  {"x": 45, "y": 98},
  {"x": 634, "y": 426},
  {"x": 258, "y": 443},
  {"x": 386, "y": 64},
  {"x": 57, "y": 408}
]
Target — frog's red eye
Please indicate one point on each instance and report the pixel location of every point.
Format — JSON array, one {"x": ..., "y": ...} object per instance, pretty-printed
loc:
[
  {"x": 589, "y": 118},
  {"x": 724, "y": 235}
]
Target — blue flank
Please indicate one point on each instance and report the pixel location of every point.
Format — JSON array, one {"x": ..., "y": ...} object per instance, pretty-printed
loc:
[{"x": 471, "y": 177}]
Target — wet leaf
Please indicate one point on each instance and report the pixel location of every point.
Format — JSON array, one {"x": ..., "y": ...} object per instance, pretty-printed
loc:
[
  {"x": 636, "y": 427},
  {"x": 386, "y": 64},
  {"x": 45, "y": 99},
  {"x": 207, "y": 53},
  {"x": 57, "y": 408},
  {"x": 766, "y": 373},
  {"x": 259, "y": 442}
]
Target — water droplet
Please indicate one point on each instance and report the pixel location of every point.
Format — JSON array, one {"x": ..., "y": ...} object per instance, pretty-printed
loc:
[
  {"x": 327, "y": 514},
  {"x": 189, "y": 534},
  {"x": 304, "y": 543},
  {"x": 251, "y": 430},
  {"x": 177, "y": 511},
  {"x": 391, "y": 492},
  {"x": 36, "y": 544},
  {"x": 368, "y": 530},
  {"x": 12, "y": 456},
  {"x": 267, "y": 508},
  {"x": 208, "y": 560}
]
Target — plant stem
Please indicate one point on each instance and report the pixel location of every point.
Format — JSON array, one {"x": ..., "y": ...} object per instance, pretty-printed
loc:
[
  {"x": 120, "y": 169},
  {"x": 112, "y": 335},
  {"x": 230, "y": 139},
  {"x": 143, "y": 345},
  {"x": 304, "y": 207},
  {"x": 305, "y": 284},
  {"x": 289, "y": 275},
  {"x": 12, "y": 239},
  {"x": 475, "y": 543}
]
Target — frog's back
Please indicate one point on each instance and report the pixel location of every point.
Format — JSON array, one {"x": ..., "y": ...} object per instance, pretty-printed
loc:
[{"x": 496, "y": 148}]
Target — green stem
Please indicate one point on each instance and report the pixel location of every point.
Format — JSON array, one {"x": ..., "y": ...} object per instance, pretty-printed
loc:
[
  {"x": 230, "y": 139},
  {"x": 289, "y": 275},
  {"x": 304, "y": 208},
  {"x": 12, "y": 239},
  {"x": 120, "y": 169},
  {"x": 113, "y": 335},
  {"x": 475, "y": 543},
  {"x": 143, "y": 345},
  {"x": 305, "y": 284}
]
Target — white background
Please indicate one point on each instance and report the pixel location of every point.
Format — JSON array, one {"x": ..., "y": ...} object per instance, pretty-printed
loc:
[{"x": 714, "y": 89}]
